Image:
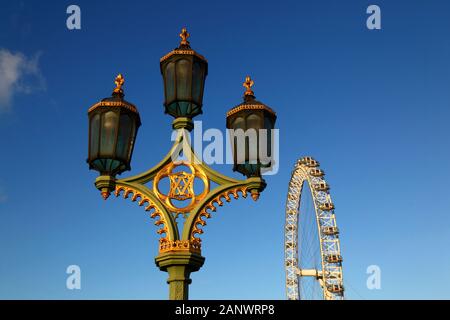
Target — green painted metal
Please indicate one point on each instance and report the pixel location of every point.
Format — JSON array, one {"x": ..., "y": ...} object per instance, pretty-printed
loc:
[
  {"x": 179, "y": 265},
  {"x": 173, "y": 233},
  {"x": 253, "y": 183},
  {"x": 105, "y": 183}
]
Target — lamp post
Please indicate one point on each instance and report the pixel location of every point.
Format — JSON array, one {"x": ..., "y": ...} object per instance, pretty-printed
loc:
[{"x": 113, "y": 126}]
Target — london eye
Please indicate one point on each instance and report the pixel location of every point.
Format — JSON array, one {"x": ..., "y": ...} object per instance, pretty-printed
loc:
[{"x": 313, "y": 260}]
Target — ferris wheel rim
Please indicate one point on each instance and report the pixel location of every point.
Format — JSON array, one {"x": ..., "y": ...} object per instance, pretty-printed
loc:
[{"x": 307, "y": 171}]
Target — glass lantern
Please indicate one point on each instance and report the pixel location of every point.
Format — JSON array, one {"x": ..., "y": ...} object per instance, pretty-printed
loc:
[
  {"x": 184, "y": 72},
  {"x": 251, "y": 124},
  {"x": 113, "y": 126}
]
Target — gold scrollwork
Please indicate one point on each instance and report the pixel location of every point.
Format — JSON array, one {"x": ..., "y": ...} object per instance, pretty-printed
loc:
[
  {"x": 181, "y": 186},
  {"x": 123, "y": 104},
  {"x": 250, "y": 107},
  {"x": 161, "y": 222},
  {"x": 204, "y": 214},
  {"x": 180, "y": 245},
  {"x": 183, "y": 52}
]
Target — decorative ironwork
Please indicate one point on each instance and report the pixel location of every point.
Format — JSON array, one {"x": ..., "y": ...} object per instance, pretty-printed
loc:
[
  {"x": 184, "y": 48},
  {"x": 122, "y": 104},
  {"x": 185, "y": 52},
  {"x": 181, "y": 186},
  {"x": 211, "y": 205},
  {"x": 161, "y": 222},
  {"x": 182, "y": 189},
  {"x": 120, "y": 80},
  {"x": 180, "y": 245},
  {"x": 184, "y": 35},
  {"x": 248, "y": 84},
  {"x": 250, "y": 107}
]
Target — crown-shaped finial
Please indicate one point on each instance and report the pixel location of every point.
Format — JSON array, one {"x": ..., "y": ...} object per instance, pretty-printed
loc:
[
  {"x": 119, "y": 81},
  {"x": 184, "y": 35},
  {"x": 248, "y": 84}
]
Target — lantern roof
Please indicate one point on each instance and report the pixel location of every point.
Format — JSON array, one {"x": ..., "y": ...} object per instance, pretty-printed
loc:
[
  {"x": 250, "y": 102},
  {"x": 116, "y": 99},
  {"x": 184, "y": 48}
]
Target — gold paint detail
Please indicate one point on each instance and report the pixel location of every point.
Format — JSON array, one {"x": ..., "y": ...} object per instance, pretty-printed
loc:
[
  {"x": 119, "y": 81},
  {"x": 122, "y": 104},
  {"x": 181, "y": 186},
  {"x": 250, "y": 107},
  {"x": 180, "y": 245},
  {"x": 183, "y": 52},
  {"x": 105, "y": 194},
  {"x": 184, "y": 35},
  {"x": 211, "y": 206},
  {"x": 150, "y": 206},
  {"x": 255, "y": 194},
  {"x": 248, "y": 84}
]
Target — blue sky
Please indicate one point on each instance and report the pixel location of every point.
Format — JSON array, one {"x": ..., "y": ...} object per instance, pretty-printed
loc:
[{"x": 371, "y": 106}]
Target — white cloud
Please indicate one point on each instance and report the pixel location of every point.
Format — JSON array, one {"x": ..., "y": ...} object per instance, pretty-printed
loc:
[{"x": 18, "y": 74}]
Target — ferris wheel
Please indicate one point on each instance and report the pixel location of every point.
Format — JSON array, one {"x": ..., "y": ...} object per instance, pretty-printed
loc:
[{"x": 313, "y": 259}]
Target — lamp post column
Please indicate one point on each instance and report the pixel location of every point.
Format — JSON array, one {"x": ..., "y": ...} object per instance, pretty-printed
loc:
[{"x": 179, "y": 265}]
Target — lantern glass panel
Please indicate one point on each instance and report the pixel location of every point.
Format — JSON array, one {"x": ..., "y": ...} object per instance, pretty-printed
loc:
[
  {"x": 197, "y": 81},
  {"x": 183, "y": 80},
  {"x": 253, "y": 122},
  {"x": 123, "y": 140},
  {"x": 239, "y": 123},
  {"x": 239, "y": 147},
  {"x": 170, "y": 81},
  {"x": 94, "y": 138},
  {"x": 132, "y": 140},
  {"x": 109, "y": 131}
]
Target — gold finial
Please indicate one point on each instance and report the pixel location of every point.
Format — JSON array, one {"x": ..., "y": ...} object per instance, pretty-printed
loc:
[
  {"x": 255, "y": 195},
  {"x": 248, "y": 84},
  {"x": 105, "y": 193},
  {"x": 184, "y": 35},
  {"x": 119, "y": 83}
]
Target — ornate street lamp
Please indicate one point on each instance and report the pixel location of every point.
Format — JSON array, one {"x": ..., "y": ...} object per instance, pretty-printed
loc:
[
  {"x": 184, "y": 72},
  {"x": 113, "y": 124},
  {"x": 251, "y": 119}
]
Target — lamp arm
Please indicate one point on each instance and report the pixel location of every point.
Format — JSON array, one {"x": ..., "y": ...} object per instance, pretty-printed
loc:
[
  {"x": 182, "y": 143},
  {"x": 196, "y": 220},
  {"x": 227, "y": 186},
  {"x": 166, "y": 220}
]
